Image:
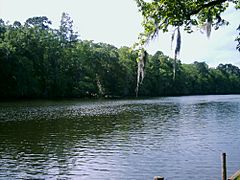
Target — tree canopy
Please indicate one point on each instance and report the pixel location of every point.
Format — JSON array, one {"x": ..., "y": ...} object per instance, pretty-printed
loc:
[
  {"x": 37, "y": 61},
  {"x": 163, "y": 15}
]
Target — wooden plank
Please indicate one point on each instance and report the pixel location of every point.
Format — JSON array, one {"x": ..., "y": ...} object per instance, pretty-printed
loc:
[{"x": 235, "y": 176}]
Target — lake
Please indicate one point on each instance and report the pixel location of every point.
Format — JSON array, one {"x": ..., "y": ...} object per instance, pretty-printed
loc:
[{"x": 175, "y": 137}]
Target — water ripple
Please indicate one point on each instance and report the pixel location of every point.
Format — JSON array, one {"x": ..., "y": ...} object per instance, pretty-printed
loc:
[{"x": 174, "y": 137}]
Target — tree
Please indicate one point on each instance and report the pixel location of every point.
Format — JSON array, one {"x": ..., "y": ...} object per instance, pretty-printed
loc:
[
  {"x": 238, "y": 39},
  {"x": 41, "y": 22},
  {"x": 161, "y": 15},
  {"x": 66, "y": 29},
  {"x": 35, "y": 62},
  {"x": 159, "y": 75},
  {"x": 127, "y": 61}
]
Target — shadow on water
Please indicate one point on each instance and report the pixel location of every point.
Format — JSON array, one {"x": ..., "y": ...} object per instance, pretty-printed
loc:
[
  {"x": 32, "y": 145},
  {"x": 60, "y": 140}
]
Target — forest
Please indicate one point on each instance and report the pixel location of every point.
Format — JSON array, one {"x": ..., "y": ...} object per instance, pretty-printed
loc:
[{"x": 38, "y": 61}]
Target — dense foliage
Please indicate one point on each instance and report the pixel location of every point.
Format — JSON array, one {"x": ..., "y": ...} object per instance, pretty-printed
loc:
[
  {"x": 37, "y": 61},
  {"x": 160, "y": 15},
  {"x": 189, "y": 15}
]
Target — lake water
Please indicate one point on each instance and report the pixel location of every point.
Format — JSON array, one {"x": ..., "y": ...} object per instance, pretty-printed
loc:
[{"x": 175, "y": 137}]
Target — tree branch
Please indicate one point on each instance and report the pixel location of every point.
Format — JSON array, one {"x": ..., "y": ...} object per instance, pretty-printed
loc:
[{"x": 210, "y": 4}]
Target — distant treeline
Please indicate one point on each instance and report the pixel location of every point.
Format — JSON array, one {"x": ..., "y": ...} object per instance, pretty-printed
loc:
[{"x": 37, "y": 61}]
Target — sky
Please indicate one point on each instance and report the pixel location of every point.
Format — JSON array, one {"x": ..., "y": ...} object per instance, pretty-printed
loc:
[{"x": 118, "y": 22}]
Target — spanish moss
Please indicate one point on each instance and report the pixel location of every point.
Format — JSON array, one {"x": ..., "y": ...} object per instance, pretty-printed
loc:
[
  {"x": 176, "y": 33},
  {"x": 141, "y": 67}
]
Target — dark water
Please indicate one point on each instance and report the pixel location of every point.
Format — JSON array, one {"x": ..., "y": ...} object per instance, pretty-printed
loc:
[{"x": 175, "y": 137}]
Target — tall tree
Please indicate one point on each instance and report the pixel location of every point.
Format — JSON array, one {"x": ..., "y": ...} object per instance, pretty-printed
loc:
[{"x": 66, "y": 32}]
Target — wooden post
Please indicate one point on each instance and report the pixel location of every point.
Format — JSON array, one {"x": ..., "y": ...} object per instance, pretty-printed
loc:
[
  {"x": 224, "y": 167},
  {"x": 158, "y": 178}
]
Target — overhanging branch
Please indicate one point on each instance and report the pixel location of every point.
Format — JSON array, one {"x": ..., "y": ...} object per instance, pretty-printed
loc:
[{"x": 210, "y": 4}]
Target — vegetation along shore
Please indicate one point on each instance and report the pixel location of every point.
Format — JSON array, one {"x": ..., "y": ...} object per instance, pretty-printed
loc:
[{"x": 38, "y": 61}]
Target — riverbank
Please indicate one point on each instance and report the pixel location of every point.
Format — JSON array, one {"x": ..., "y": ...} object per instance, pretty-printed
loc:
[{"x": 107, "y": 97}]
